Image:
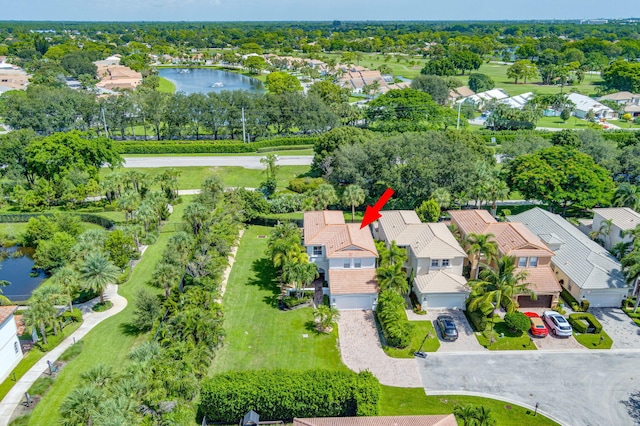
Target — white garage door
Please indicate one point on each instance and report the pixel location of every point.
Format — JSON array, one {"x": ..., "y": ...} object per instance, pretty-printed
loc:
[
  {"x": 604, "y": 300},
  {"x": 354, "y": 301},
  {"x": 445, "y": 300}
]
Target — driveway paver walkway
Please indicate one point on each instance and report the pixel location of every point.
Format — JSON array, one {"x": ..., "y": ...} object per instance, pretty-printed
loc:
[
  {"x": 624, "y": 332},
  {"x": 466, "y": 338},
  {"x": 361, "y": 350},
  {"x": 91, "y": 319}
]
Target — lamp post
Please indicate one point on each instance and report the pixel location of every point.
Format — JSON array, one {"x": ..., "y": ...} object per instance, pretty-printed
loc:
[{"x": 535, "y": 412}]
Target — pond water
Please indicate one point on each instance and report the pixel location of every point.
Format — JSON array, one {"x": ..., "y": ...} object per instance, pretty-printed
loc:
[
  {"x": 203, "y": 80},
  {"x": 16, "y": 268}
]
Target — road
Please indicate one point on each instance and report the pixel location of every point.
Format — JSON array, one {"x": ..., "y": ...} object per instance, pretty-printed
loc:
[
  {"x": 213, "y": 161},
  {"x": 589, "y": 388}
]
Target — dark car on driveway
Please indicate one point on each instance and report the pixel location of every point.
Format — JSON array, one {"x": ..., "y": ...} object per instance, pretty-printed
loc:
[{"x": 447, "y": 327}]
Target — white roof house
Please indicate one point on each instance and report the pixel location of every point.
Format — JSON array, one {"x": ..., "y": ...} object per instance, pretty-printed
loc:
[
  {"x": 518, "y": 101},
  {"x": 584, "y": 104},
  {"x": 10, "y": 349},
  {"x": 583, "y": 267},
  {"x": 487, "y": 96},
  {"x": 622, "y": 219}
]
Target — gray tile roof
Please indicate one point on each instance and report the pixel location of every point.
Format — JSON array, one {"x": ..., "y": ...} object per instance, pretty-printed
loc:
[
  {"x": 622, "y": 217},
  {"x": 588, "y": 264}
]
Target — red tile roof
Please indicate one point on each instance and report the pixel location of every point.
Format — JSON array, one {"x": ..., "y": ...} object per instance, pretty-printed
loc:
[
  {"x": 327, "y": 228},
  {"x": 353, "y": 281},
  {"x": 542, "y": 280},
  {"x": 6, "y": 312}
]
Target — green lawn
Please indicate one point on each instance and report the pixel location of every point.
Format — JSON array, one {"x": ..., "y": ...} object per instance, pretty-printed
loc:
[
  {"x": 413, "y": 401},
  {"x": 572, "y": 123},
  {"x": 166, "y": 86},
  {"x": 111, "y": 340},
  {"x": 420, "y": 330},
  {"x": 510, "y": 341},
  {"x": 285, "y": 152},
  {"x": 192, "y": 177},
  {"x": 259, "y": 335},
  {"x": 592, "y": 341},
  {"x": 34, "y": 355}
]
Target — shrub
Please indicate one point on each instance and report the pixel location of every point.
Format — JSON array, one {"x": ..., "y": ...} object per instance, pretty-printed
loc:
[
  {"x": 283, "y": 394},
  {"x": 304, "y": 184},
  {"x": 40, "y": 386},
  {"x": 584, "y": 305},
  {"x": 217, "y": 147},
  {"x": 285, "y": 203},
  {"x": 396, "y": 328},
  {"x": 570, "y": 300},
  {"x": 580, "y": 322},
  {"x": 292, "y": 301},
  {"x": 72, "y": 351},
  {"x": 478, "y": 320},
  {"x": 517, "y": 321},
  {"x": 75, "y": 315}
]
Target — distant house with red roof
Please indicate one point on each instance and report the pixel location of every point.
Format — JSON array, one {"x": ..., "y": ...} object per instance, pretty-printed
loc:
[{"x": 345, "y": 256}]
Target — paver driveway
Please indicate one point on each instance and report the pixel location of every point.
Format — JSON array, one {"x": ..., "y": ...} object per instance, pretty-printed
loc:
[
  {"x": 466, "y": 339},
  {"x": 624, "y": 332},
  {"x": 585, "y": 388},
  {"x": 361, "y": 350}
]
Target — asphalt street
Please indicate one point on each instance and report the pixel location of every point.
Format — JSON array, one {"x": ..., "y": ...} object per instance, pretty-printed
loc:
[
  {"x": 215, "y": 161},
  {"x": 578, "y": 388}
]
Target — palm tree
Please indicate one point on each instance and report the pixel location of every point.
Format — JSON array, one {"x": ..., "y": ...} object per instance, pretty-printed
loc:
[
  {"x": 67, "y": 278},
  {"x": 97, "y": 271},
  {"x": 38, "y": 314},
  {"x": 627, "y": 195},
  {"x": 499, "y": 286},
  {"x": 479, "y": 246},
  {"x": 128, "y": 202},
  {"x": 326, "y": 316},
  {"x": 165, "y": 276},
  {"x": 324, "y": 196},
  {"x": 621, "y": 248},
  {"x": 79, "y": 407},
  {"x": 494, "y": 190},
  {"x": 353, "y": 196},
  {"x": 100, "y": 375},
  {"x": 442, "y": 197},
  {"x": 392, "y": 278},
  {"x": 603, "y": 232},
  {"x": 299, "y": 274},
  {"x": 393, "y": 255},
  {"x": 631, "y": 270},
  {"x": 145, "y": 214},
  {"x": 196, "y": 214}
]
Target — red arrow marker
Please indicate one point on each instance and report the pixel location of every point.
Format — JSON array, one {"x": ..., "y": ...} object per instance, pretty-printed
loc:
[{"x": 371, "y": 214}]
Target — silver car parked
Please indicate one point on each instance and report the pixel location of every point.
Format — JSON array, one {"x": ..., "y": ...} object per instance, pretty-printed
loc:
[{"x": 558, "y": 324}]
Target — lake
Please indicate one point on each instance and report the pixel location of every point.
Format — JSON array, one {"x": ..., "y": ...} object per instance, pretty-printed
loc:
[
  {"x": 16, "y": 269},
  {"x": 203, "y": 80}
]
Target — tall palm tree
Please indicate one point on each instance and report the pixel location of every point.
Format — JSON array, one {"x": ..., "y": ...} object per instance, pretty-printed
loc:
[
  {"x": 494, "y": 190},
  {"x": 165, "y": 276},
  {"x": 324, "y": 196},
  {"x": 392, "y": 278},
  {"x": 299, "y": 274},
  {"x": 197, "y": 215},
  {"x": 627, "y": 195},
  {"x": 621, "y": 248},
  {"x": 97, "y": 271},
  {"x": 326, "y": 316},
  {"x": 353, "y": 196},
  {"x": 480, "y": 246},
  {"x": 631, "y": 270},
  {"x": 67, "y": 278},
  {"x": 499, "y": 286},
  {"x": 442, "y": 197},
  {"x": 145, "y": 214},
  {"x": 129, "y": 202},
  {"x": 394, "y": 255}
]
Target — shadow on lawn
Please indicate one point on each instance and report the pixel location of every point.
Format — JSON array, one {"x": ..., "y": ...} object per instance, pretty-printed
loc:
[{"x": 266, "y": 279}]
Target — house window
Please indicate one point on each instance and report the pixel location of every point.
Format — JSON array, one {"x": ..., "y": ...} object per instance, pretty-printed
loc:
[
  {"x": 445, "y": 262},
  {"x": 15, "y": 347},
  {"x": 317, "y": 250},
  {"x": 522, "y": 262},
  {"x": 533, "y": 262},
  {"x": 357, "y": 263},
  {"x": 435, "y": 262},
  {"x": 347, "y": 264},
  {"x": 622, "y": 233}
]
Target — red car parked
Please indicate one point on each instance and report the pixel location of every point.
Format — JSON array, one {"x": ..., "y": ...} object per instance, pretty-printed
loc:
[{"x": 538, "y": 328}]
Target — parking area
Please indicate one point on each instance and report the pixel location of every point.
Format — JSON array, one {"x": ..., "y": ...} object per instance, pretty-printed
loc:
[
  {"x": 466, "y": 339},
  {"x": 623, "y": 331}
]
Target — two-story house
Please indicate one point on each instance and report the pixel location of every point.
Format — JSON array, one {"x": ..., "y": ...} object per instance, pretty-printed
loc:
[
  {"x": 10, "y": 350},
  {"x": 346, "y": 257},
  {"x": 583, "y": 267},
  {"x": 434, "y": 258},
  {"x": 515, "y": 240}
]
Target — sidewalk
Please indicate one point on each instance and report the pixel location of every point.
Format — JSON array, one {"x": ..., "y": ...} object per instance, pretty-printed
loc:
[{"x": 91, "y": 319}]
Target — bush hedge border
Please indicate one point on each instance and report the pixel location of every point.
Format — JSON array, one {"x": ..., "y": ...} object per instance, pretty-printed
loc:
[
  {"x": 576, "y": 321},
  {"x": 84, "y": 217},
  {"x": 218, "y": 147}
]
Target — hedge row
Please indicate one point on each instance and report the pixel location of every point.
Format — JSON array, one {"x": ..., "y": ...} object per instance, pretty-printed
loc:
[
  {"x": 196, "y": 147},
  {"x": 510, "y": 135},
  {"x": 284, "y": 394},
  {"x": 580, "y": 322},
  {"x": 84, "y": 217}
]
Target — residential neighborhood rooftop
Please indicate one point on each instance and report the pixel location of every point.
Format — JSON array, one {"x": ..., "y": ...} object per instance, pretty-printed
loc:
[
  {"x": 6, "y": 312},
  {"x": 328, "y": 228},
  {"x": 623, "y": 217},
  {"x": 352, "y": 281},
  {"x": 588, "y": 264},
  {"x": 441, "y": 281}
]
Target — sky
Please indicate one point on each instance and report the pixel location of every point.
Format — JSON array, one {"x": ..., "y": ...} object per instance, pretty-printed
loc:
[{"x": 305, "y": 10}]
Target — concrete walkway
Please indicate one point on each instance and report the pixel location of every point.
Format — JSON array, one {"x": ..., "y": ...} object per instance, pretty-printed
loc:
[
  {"x": 91, "y": 319},
  {"x": 361, "y": 350}
]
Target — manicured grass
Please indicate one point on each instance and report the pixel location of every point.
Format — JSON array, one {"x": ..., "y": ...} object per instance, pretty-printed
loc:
[
  {"x": 572, "y": 123},
  {"x": 110, "y": 341},
  {"x": 259, "y": 335},
  {"x": 101, "y": 307},
  {"x": 192, "y": 177},
  {"x": 308, "y": 151},
  {"x": 283, "y": 216},
  {"x": 34, "y": 355},
  {"x": 166, "y": 86},
  {"x": 420, "y": 330},
  {"x": 413, "y": 401},
  {"x": 592, "y": 341},
  {"x": 510, "y": 342}
]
